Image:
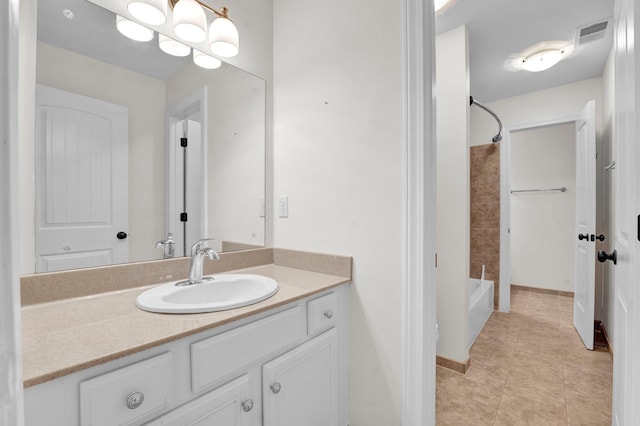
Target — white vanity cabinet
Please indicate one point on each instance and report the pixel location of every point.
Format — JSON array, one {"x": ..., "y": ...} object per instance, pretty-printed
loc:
[
  {"x": 286, "y": 366},
  {"x": 228, "y": 405},
  {"x": 301, "y": 386}
]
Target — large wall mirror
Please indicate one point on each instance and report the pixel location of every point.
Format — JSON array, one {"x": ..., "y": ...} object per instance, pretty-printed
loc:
[{"x": 112, "y": 116}]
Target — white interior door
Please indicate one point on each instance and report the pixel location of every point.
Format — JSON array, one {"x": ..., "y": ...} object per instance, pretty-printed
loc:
[
  {"x": 626, "y": 344},
  {"x": 584, "y": 296},
  {"x": 81, "y": 181}
]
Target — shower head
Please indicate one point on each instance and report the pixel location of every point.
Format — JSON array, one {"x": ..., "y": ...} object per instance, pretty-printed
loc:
[{"x": 497, "y": 138}]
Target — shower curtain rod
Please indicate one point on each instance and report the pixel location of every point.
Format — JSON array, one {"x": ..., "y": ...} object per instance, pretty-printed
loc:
[
  {"x": 498, "y": 137},
  {"x": 562, "y": 189}
]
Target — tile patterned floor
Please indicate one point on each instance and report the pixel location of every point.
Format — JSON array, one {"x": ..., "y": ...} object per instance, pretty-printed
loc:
[{"x": 528, "y": 367}]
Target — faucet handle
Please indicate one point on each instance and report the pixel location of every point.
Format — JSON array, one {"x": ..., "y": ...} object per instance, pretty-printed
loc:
[{"x": 199, "y": 245}]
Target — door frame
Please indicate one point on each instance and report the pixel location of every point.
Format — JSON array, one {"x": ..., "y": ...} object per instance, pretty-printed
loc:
[
  {"x": 505, "y": 199},
  {"x": 12, "y": 407},
  {"x": 419, "y": 216},
  {"x": 196, "y": 101}
]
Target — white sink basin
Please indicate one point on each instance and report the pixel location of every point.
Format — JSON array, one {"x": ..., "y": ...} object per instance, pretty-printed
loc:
[{"x": 226, "y": 291}]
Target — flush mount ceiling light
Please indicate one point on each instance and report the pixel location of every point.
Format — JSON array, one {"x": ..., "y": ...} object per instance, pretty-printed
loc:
[
  {"x": 190, "y": 22},
  {"x": 203, "y": 60},
  {"x": 133, "y": 30},
  {"x": 542, "y": 56},
  {"x": 172, "y": 47}
]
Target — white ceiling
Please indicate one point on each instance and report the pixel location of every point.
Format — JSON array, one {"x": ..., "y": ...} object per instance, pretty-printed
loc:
[
  {"x": 92, "y": 32},
  {"x": 499, "y": 29}
]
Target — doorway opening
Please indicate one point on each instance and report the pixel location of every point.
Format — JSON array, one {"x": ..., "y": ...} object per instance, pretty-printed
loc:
[
  {"x": 546, "y": 239},
  {"x": 186, "y": 174}
]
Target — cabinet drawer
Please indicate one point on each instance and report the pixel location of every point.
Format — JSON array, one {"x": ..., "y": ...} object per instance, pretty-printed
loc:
[
  {"x": 226, "y": 353},
  {"x": 122, "y": 396},
  {"x": 322, "y": 313}
]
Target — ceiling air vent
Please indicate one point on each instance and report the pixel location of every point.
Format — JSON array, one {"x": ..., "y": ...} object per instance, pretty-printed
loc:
[{"x": 591, "y": 32}]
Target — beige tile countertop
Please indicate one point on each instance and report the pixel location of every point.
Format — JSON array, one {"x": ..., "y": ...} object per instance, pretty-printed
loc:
[{"x": 62, "y": 335}]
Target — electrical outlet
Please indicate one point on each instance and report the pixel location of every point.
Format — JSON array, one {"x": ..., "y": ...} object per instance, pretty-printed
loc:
[{"x": 283, "y": 206}]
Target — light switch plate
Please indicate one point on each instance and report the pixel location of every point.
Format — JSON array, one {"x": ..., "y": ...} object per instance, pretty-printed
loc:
[{"x": 283, "y": 206}]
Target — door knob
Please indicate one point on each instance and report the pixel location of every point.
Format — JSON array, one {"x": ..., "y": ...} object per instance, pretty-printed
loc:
[
  {"x": 247, "y": 405},
  {"x": 603, "y": 256},
  {"x": 583, "y": 237},
  {"x": 275, "y": 388},
  {"x": 121, "y": 235}
]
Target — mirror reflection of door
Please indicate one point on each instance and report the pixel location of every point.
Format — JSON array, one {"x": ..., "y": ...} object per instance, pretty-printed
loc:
[
  {"x": 186, "y": 173},
  {"x": 189, "y": 184},
  {"x": 82, "y": 179}
]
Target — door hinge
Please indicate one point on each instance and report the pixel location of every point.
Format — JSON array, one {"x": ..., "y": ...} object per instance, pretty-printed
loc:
[
  {"x": 183, "y": 142},
  {"x": 183, "y": 217}
]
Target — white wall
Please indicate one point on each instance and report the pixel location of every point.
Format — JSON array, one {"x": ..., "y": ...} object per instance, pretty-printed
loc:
[
  {"x": 543, "y": 245},
  {"x": 543, "y": 105},
  {"x": 608, "y": 190},
  {"x": 235, "y": 163},
  {"x": 338, "y": 156},
  {"x": 26, "y": 117},
  {"x": 144, "y": 97},
  {"x": 452, "y": 237}
]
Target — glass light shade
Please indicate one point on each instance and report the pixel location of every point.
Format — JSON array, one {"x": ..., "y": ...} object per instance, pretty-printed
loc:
[
  {"x": 542, "y": 60},
  {"x": 205, "y": 61},
  {"x": 172, "y": 47},
  {"x": 224, "y": 39},
  {"x": 133, "y": 30},
  {"x": 439, "y": 4},
  {"x": 152, "y": 12},
  {"x": 190, "y": 21}
]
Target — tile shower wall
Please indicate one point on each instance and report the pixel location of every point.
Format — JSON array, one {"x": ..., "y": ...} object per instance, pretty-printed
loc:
[{"x": 485, "y": 214}]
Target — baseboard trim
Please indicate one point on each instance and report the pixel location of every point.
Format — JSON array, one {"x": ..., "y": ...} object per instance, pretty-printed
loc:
[
  {"x": 607, "y": 339},
  {"x": 542, "y": 290},
  {"x": 458, "y": 367}
]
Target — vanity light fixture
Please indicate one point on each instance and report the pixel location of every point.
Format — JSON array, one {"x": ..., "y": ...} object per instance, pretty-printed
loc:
[
  {"x": 152, "y": 12},
  {"x": 133, "y": 30},
  {"x": 172, "y": 47},
  {"x": 190, "y": 22},
  {"x": 542, "y": 56},
  {"x": 203, "y": 60}
]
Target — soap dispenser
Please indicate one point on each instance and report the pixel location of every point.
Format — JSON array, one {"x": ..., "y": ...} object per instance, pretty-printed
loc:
[{"x": 168, "y": 246}]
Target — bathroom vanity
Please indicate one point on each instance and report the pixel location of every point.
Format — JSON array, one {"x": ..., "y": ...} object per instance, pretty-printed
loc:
[{"x": 99, "y": 360}]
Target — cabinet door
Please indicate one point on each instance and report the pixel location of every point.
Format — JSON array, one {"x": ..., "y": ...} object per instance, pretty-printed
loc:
[
  {"x": 228, "y": 405},
  {"x": 301, "y": 386}
]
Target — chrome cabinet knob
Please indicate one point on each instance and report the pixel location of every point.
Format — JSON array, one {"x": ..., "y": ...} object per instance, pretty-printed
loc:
[
  {"x": 247, "y": 405},
  {"x": 275, "y": 388},
  {"x": 328, "y": 314},
  {"x": 135, "y": 400}
]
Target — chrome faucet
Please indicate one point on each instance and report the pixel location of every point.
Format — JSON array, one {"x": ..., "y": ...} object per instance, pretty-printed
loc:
[{"x": 198, "y": 251}]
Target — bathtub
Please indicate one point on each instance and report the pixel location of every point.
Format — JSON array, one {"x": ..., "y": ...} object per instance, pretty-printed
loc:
[{"x": 480, "y": 306}]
